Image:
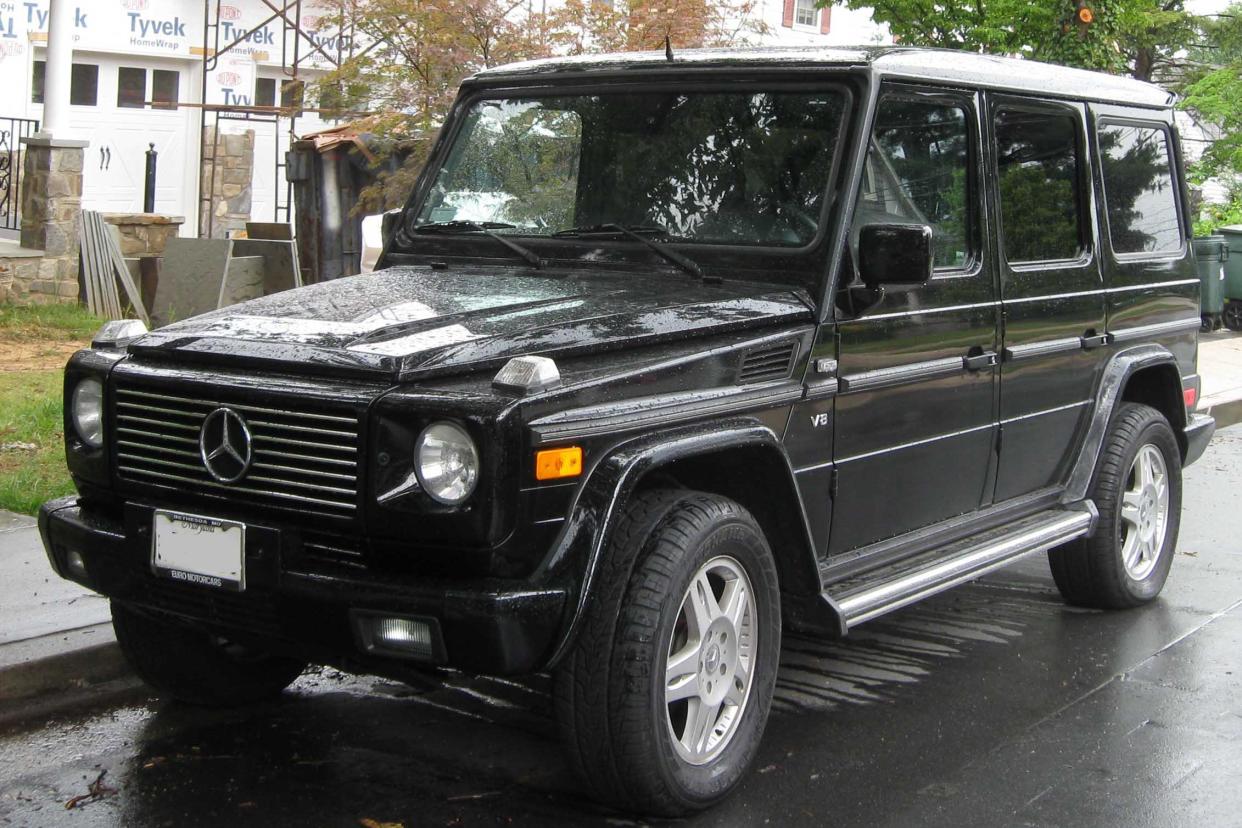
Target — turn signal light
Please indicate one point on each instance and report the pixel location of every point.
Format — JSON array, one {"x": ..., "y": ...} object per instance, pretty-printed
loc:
[
  {"x": 1190, "y": 396},
  {"x": 553, "y": 464}
]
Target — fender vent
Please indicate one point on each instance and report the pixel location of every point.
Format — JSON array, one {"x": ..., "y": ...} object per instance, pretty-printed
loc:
[{"x": 771, "y": 362}]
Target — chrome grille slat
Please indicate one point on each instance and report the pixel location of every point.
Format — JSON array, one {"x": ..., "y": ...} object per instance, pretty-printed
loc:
[
  {"x": 171, "y": 437},
  {"x": 244, "y": 407},
  {"x": 332, "y": 461},
  {"x": 300, "y": 459}
]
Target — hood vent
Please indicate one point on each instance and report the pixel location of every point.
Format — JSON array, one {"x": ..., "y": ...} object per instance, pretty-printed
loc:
[{"x": 771, "y": 362}]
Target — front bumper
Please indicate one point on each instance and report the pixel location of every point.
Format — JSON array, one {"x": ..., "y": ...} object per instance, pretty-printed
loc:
[
  {"x": 1198, "y": 433},
  {"x": 483, "y": 625}
]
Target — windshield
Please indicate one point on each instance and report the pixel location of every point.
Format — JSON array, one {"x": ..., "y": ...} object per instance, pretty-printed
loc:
[{"x": 746, "y": 168}]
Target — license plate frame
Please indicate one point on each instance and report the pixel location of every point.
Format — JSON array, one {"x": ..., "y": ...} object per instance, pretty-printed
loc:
[{"x": 199, "y": 550}]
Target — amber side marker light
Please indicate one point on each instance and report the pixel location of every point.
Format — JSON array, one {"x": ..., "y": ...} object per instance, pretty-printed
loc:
[{"x": 553, "y": 464}]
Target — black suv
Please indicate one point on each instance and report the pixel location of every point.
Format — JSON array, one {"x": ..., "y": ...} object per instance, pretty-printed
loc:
[{"x": 666, "y": 353}]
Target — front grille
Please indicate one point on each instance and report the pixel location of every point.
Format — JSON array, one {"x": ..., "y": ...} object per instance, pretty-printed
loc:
[
  {"x": 322, "y": 550},
  {"x": 304, "y": 460}
]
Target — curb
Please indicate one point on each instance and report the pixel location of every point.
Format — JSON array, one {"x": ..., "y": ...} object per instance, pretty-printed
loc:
[
  {"x": 1226, "y": 413},
  {"x": 60, "y": 662}
]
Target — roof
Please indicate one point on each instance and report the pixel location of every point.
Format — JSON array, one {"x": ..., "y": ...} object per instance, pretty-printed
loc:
[{"x": 949, "y": 66}]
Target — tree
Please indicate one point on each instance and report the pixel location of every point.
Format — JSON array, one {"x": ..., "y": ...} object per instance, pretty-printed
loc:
[
  {"x": 1213, "y": 95},
  {"x": 414, "y": 53},
  {"x": 1137, "y": 37}
]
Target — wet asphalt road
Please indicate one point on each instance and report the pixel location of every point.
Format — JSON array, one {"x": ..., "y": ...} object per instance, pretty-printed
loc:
[{"x": 994, "y": 704}]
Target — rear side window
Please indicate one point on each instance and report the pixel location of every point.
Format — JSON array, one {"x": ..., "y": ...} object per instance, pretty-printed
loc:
[
  {"x": 1038, "y": 164},
  {"x": 1138, "y": 189},
  {"x": 918, "y": 171}
]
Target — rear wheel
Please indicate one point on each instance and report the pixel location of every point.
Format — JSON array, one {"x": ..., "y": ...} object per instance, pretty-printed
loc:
[
  {"x": 194, "y": 666},
  {"x": 664, "y": 698},
  {"x": 1138, "y": 491}
]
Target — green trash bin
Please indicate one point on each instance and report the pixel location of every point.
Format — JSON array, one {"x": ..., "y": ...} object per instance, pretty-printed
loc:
[
  {"x": 1232, "y": 315},
  {"x": 1210, "y": 255}
]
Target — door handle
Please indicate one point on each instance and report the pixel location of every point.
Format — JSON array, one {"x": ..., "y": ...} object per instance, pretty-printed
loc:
[
  {"x": 979, "y": 361},
  {"x": 1094, "y": 340}
]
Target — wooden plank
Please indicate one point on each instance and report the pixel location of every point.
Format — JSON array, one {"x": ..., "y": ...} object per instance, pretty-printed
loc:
[
  {"x": 84, "y": 269},
  {"x": 117, "y": 262}
]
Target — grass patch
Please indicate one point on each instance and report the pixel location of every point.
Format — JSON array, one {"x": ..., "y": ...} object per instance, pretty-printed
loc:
[
  {"x": 63, "y": 323},
  {"x": 32, "y": 447}
]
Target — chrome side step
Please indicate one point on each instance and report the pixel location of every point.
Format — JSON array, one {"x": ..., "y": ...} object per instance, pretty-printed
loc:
[{"x": 906, "y": 582}]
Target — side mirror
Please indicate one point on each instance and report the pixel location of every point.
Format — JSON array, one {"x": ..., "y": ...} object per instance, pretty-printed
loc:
[
  {"x": 388, "y": 225},
  {"x": 895, "y": 256}
]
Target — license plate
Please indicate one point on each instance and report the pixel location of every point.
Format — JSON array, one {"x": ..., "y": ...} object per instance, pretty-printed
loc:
[{"x": 200, "y": 550}]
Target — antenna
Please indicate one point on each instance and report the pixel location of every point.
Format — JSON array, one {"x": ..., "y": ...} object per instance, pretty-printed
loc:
[{"x": 668, "y": 48}]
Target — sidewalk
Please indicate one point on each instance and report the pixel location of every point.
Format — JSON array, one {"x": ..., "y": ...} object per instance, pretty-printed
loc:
[{"x": 56, "y": 636}]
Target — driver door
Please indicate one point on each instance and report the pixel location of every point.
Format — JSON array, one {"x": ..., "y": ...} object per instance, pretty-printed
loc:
[{"x": 915, "y": 425}]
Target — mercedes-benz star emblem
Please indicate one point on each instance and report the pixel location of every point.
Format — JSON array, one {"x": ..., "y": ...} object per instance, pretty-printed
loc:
[{"x": 224, "y": 443}]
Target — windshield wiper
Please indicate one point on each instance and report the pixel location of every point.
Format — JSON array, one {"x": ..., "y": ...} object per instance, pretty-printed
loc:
[
  {"x": 486, "y": 228},
  {"x": 636, "y": 231}
]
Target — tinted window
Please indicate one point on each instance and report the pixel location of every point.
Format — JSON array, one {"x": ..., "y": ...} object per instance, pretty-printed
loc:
[
  {"x": 84, "y": 84},
  {"x": 1138, "y": 189},
  {"x": 165, "y": 88},
  {"x": 131, "y": 87},
  {"x": 1037, "y": 159},
  {"x": 918, "y": 172},
  {"x": 738, "y": 167}
]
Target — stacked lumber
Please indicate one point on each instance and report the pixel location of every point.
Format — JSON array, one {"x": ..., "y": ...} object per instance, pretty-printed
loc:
[{"x": 103, "y": 268}]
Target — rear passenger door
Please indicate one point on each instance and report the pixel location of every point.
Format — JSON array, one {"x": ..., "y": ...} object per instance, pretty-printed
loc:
[{"x": 1052, "y": 296}]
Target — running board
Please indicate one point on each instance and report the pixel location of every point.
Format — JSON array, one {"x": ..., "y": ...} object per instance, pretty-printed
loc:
[{"x": 905, "y": 582}]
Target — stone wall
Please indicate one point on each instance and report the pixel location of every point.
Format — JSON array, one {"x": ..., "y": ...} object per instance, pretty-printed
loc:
[
  {"x": 144, "y": 234},
  {"x": 44, "y": 268},
  {"x": 232, "y": 184}
]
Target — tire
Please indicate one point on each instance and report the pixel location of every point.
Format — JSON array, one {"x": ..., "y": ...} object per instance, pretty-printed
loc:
[
  {"x": 195, "y": 667},
  {"x": 1206, "y": 324},
  {"x": 1126, "y": 562},
  {"x": 1232, "y": 316},
  {"x": 633, "y": 748}
]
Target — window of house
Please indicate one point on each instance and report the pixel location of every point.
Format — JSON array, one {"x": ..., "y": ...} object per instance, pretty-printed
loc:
[
  {"x": 165, "y": 88},
  {"x": 265, "y": 91},
  {"x": 1040, "y": 185},
  {"x": 292, "y": 95},
  {"x": 1138, "y": 189},
  {"x": 805, "y": 13},
  {"x": 918, "y": 172},
  {"x": 84, "y": 84},
  {"x": 37, "y": 75},
  {"x": 131, "y": 87}
]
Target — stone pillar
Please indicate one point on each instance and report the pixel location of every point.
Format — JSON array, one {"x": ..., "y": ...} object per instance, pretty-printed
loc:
[
  {"x": 229, "y": 173},
  {"x": 144, "y": 234},
  {"x": 52, "y": 211}
]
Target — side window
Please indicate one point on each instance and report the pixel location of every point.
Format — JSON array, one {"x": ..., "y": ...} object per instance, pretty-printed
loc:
[
  {"x": 1039, "y": 182},
  {"x": 918, "y": 171},
  {"x": 1138, "y": 189}
]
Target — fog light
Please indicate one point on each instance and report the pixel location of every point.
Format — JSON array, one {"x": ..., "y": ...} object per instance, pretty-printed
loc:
[
  {"x": 75, "y": 564},
  {"x": 397, "y": 636}
]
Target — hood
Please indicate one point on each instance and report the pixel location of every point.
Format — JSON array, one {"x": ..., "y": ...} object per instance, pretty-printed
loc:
[{"x": 409, "y": 322}]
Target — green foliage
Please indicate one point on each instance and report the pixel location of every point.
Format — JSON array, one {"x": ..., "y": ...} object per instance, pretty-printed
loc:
[
  {"x": 1213, "y": 95},
  {"x": 64, "y": 322},
  {"x": 1138, "y": 37}
]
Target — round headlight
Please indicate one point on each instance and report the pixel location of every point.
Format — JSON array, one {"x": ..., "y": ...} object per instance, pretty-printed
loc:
[
  {"x": 86, "y": 410},
  {"x": 447, "y": 463}
]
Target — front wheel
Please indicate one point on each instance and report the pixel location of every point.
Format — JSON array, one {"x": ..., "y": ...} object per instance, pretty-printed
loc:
[
  {"x": 665, "y": 696},
  {"x": 1138, "y": 491}
]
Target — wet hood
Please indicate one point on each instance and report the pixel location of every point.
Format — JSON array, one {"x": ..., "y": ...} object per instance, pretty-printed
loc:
[{"x": 408, "y": 322}]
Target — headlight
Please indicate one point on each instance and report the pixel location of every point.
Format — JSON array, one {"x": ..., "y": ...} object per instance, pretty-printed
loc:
[
  {"x": 86, "y": 409},
  {"x": 447, "y": 463}
]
